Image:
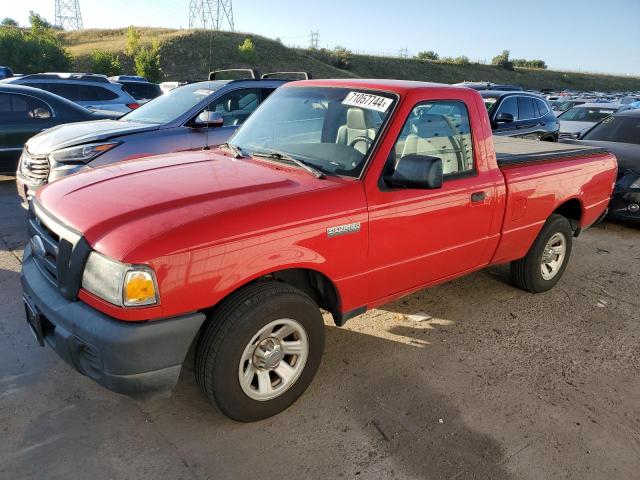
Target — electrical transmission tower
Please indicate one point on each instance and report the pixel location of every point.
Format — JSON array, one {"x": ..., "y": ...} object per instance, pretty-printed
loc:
[
  {"x": 211, "y": 14},
  {"x": 314, "y": 39},
  {"x": 403, "y": 53},
  {"x": 68, "y": 16}
]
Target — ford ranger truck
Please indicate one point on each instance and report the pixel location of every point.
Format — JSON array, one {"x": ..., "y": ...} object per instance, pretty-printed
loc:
[{"x": 335, "y": 195}]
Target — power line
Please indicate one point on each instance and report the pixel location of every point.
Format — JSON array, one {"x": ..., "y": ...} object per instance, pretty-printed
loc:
[
  {"x": 314, "y": 39},
  {"x": 211, "y": 14},
  {"x": 68, "y": 16}
]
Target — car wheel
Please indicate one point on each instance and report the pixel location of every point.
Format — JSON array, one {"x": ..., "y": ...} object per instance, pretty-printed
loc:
[
  {"x": 547, "y": 258},
  {"x": 260, "y": 350}
]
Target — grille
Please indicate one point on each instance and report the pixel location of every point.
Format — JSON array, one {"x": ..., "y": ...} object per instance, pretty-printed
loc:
[
  {"x": 45, "y": 245},
  {"x": 59, "y": 251},
  {"x": 35, "y": 167}
]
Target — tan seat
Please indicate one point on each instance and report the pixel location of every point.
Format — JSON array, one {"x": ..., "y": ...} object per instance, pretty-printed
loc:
[
  {"x": 357, "y": 126},
  {"x": 433, "y": 135}
]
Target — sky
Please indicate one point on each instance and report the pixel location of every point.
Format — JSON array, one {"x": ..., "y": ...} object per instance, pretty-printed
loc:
[{"x": 576, "y": 35}]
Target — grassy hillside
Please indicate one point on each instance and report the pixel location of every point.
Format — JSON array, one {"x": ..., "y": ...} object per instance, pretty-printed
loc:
[{"x": 185, "y": 56}]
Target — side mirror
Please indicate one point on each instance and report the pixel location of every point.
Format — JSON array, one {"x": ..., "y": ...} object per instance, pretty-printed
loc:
[
  {"x": 504, "y": 117},
  {"x": 208, "y": 119},
  {"x": 416, "y": 171}
]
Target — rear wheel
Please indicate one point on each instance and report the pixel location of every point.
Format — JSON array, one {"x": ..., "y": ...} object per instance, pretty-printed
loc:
[
  {"x": 260, "y": 350},
  {"x": 547, "y": 258}
]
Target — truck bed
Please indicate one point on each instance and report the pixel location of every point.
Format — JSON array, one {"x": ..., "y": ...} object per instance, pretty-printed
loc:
[{"x": 513, "y": 151}]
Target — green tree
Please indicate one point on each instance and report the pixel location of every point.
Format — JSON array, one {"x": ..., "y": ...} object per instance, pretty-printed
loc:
[
  {"x": 32, "y": 51},
  {"x": 8, "y": 22},
  {"x": 38, "y": 22},
  {"x": 429, "y": 55},
  {"x": 133, "y": 41},
  {"x": 502, "y": 60},
  {"x": 147, "y": 63},
  {"x": 247, "y": 50},
  {"x": 106, "y": 63}
]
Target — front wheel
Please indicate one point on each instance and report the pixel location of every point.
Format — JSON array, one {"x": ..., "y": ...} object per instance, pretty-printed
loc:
[
  {"x": 547, "y": 258},
  {"x": 260, "y": 350}
]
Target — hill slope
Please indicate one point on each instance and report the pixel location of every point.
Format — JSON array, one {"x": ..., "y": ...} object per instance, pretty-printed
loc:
[{"x": 185, "y": 56}]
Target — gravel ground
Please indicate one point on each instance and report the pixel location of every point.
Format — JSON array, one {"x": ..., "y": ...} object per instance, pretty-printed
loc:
[{"x": 498, "y": 384}]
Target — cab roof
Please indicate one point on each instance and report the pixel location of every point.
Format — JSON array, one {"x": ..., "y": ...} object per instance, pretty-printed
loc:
[{"x": 400, "y": 87}]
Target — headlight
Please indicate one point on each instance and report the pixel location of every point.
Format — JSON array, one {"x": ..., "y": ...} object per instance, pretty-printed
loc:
[
  {"x": 119, "y": 283},
  {"x": 81, "y": 153}
]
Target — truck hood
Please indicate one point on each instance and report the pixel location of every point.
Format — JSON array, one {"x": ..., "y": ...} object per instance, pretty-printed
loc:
[
  {"x": 120, "y": 208},
  {"x": 569, "y": 126},
  {"x": 71, "y": 134}
]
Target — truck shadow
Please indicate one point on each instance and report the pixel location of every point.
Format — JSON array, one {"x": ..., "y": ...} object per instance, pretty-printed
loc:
[{"x": 371, "y": 412}]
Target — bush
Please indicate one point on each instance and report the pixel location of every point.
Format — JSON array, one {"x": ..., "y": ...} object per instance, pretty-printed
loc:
[
  {"x": 247, "y": 50},
  {"x": 461, "y": 60},
  {"x": 106, "y": 63},
  {"x": 147, "y": 63},
  {"x": 339, "y": 57},
  {"x": 502, "y": 60},
  {"x": 133, "y": 41},
  {"x": 33, "y": 51},
  {"x": 523, "y": 63},
  {"x": 8, "y": 22},
  {"x": 427, "y": 56}
]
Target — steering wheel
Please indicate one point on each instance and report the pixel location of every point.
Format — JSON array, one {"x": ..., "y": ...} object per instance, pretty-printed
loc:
[{"x": 361, "y": 138}]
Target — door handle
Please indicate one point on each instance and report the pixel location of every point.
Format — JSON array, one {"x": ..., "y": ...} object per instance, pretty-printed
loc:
[{"x": 478, "y": 197}]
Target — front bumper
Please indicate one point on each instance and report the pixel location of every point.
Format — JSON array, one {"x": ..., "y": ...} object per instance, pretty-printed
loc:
[
  {"x": 625, "y": 200},
  {"x": 139, "y": 359}
]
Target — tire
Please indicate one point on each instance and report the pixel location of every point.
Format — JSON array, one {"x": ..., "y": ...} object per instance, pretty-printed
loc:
[
  {"x": 230, "y": 350},
  {"x": 529, "y": 273}
]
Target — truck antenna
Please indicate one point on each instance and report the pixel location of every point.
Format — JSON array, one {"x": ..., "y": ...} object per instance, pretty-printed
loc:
[{"x": 206, "y": 133}]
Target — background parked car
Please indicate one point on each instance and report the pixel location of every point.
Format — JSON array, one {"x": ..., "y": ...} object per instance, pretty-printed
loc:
[
  {"x": 187, "y": 118},
  {"x": 561, "y": 106},
  {"x": 490, "y": 86},
  {"x": 521, "y": 114},
  {"x": 26, "y": 111},
  {"x": 5, "y": 72},
  {"x": 620, "y": 134},
  {"x": 138, "y": 87},
  {"x": 92, "y": 91},
  {"x": 580, "y": 118}
]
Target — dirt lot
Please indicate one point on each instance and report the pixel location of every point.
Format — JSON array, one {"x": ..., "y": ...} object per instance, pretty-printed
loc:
[{"x": 499, "y": 384}]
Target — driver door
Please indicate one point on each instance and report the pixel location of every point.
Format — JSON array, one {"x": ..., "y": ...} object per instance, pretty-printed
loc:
[{"x": 419, "y": 236}]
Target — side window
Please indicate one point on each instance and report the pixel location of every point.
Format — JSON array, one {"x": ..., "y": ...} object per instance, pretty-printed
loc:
[
  {"x": 235, "y": 107},
  {"x": 526, "y": 108},
  {"x": 20, "y": 107},
  {"x": 542, "y": 107},
  {"x": 438, "y": 129},
  {"x": 91, "y": 93},
  {"x": 509, "y": 105}
]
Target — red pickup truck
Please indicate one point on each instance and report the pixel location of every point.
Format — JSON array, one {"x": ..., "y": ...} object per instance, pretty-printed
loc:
[{"x": 339, "y": 195}]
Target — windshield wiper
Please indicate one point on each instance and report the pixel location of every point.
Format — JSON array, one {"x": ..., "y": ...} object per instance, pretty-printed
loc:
[
  {"x": 237, "y": 151},
  {"x": 275, "y": 155}
]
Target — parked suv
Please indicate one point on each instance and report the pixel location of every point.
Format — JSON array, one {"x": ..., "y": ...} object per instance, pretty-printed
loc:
[
  {"x": 188, "y": 118},
  {"x": 26, "y": 111},
  {"x": 138, "y": 87},
  {"x": 521, "y": 114},
  {"x": 92, "y": 91}
]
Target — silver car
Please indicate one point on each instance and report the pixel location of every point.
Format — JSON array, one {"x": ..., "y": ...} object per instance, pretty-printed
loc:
[
  {"x": 580, "y": 118},
  {"x": 190, "y": 117},
  {"x": 95, "y": 92}
]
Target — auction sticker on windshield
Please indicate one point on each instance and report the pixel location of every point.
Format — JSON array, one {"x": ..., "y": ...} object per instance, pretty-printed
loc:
[{"x": 367, "y": 100}]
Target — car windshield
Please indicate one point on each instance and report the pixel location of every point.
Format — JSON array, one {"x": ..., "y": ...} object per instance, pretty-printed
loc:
[
  {"x": 331, "y": 129},
  {"x": 587, "y": 114},
  {"x": 621, "y": 129},
  {"x": 170, "y": 106}
]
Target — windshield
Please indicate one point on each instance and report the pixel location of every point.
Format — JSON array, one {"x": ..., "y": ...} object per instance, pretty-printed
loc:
[
  {"x": 587, "y": 114},
  {"x": 171, "y": 105},
  {"x": 621, "y": 129},
  {"x": 331, "y": 129}
]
